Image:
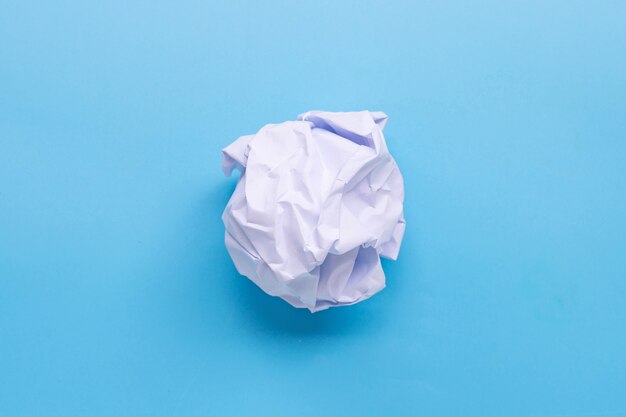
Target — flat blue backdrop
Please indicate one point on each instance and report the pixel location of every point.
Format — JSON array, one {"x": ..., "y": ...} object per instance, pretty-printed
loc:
[{"x": 118, "y": 298}]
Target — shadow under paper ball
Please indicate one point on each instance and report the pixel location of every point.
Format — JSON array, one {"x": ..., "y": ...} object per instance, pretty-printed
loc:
[{"x": 270, "y": 314}]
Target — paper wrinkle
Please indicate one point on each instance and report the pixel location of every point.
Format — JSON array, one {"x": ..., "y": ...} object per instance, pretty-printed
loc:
[{"x": 318, "y": 202}]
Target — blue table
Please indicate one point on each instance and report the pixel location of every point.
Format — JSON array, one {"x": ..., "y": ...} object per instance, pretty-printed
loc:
[{"x": 118, "y": 298}]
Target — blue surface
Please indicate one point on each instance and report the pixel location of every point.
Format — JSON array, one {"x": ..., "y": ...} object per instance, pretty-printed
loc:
[{"x": 117, "y": 296}]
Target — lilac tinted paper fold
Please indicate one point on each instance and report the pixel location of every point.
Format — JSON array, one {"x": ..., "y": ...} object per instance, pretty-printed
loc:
[{"x": 318, "y": 202}]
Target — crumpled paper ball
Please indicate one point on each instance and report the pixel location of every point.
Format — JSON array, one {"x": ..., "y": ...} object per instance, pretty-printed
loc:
[{"x": 318, "y": 202}]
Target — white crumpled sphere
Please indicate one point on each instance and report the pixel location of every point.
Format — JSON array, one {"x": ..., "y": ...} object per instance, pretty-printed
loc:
[{"x": 318, "y": 202}]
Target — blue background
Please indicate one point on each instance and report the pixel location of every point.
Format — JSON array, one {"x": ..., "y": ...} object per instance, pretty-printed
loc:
[{"x": 118, "y": 298}]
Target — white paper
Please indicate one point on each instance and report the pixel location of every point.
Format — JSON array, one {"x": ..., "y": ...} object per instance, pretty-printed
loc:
[{"x": 319, "y": 200}]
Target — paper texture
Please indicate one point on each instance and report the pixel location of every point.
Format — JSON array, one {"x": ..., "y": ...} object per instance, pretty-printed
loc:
[{"x": 319, "y": 200}]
